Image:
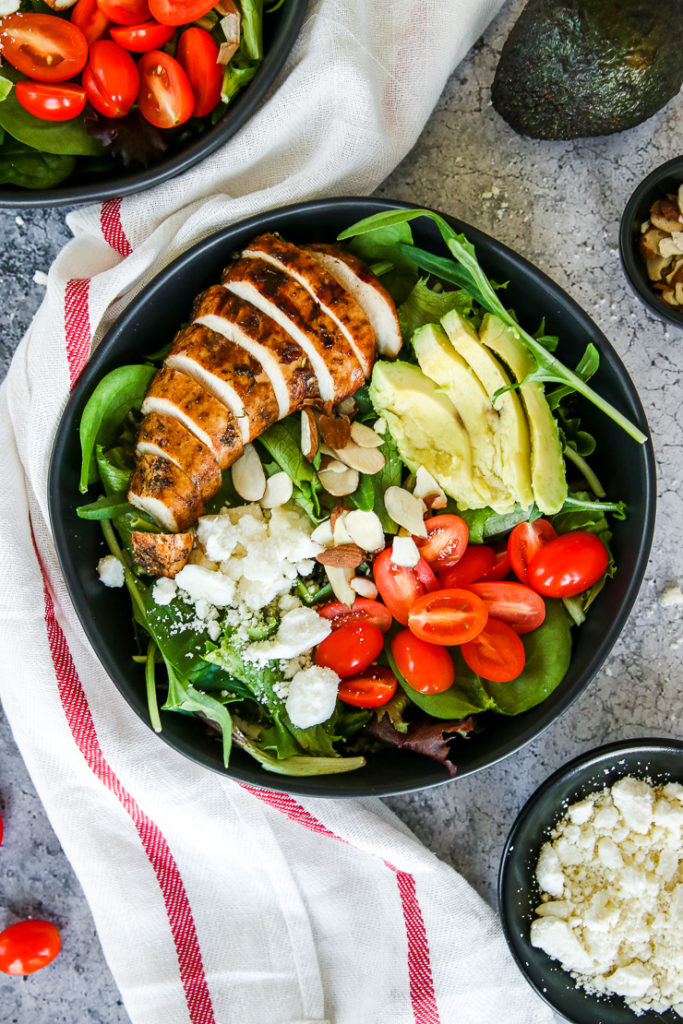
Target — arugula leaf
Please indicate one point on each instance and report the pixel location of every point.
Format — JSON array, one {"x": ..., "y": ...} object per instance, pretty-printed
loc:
[
  {"x": 116, "y": 394},
  {"x": 424, "y": 305},
  {"x": 549, "y": 369}
]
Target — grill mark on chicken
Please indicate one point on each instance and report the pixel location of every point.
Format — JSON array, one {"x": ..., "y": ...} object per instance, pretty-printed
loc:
[
  {"x": 335, "y": 300},
  {"x": 162, "y": 489},
  {"x": 283, "y": 360},
  {"x": 174, "y": 394},
  {"x": 290, "y": 305},
  {"x": 367, "y": 290},
  {"x": 169, "y": 438},
  {"x": 230, "y": 373}
]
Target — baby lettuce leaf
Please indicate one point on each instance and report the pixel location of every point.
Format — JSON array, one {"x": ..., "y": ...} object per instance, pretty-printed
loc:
[
  {"x": 27, "y": 168},
  {"x": 433, "y": 739},
  {"x": 116, "y": 394},
  {"x": 426, "y": 306},
  {"x": 300, "y": 765},
  {"x": 130, "y": 139},
  {"x": 184, "y": 697}
]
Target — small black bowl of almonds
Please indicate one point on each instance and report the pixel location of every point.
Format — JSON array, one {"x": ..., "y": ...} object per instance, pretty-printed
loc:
[{"x": 651, "y": 241}]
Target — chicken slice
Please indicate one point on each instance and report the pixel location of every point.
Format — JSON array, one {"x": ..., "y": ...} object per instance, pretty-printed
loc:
[
  {"x": 161, "y": 489},
  {"x": 230, "y": 373},
  {"x": 161, "y": 554},
  {"x": 335, "y": 300},
  {"x": 284, "y": 361},
  {"x": 174, "y": 394},
  {"x": 367, "y": 290},
  {"x": 169, "y": 438},
  {"x": 290, "y": 305}
]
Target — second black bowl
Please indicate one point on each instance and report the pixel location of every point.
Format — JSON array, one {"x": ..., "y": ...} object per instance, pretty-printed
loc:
[{"x": 626, "y": 468}]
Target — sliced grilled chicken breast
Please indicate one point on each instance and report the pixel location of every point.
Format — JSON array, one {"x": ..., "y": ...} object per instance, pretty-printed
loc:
[
  {"x": 230, "y": 373},
  {"x": 284, "y": 361},
  {"x": 335, "y": 300},
  {"x": 293, "y": 308},
  {"x": 161, "y": 554},
  {"x": 174, "y": 394},
  {"x": 367, "y": 290},
  {"x": 169, "y": 438},
  {"x": 165, "y": 492}
]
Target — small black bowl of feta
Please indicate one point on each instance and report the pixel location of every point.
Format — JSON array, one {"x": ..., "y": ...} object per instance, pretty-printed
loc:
[{"x": 590, "y": 889}]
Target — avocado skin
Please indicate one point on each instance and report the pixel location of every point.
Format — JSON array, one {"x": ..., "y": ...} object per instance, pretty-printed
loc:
[{"x": 576, "y": 68}]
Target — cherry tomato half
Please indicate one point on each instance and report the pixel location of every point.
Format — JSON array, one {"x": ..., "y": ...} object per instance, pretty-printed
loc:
[
  {"x": 350, "y": 648},
  {"x": 198, "y": 56},
  {"x": 50, "y": 101},
  {"x": 179, "y": 12},
  {"x": 368, "y": 689},
  {"x": 523, "y": 543},
  {"x": 521, "y": 607},
  {"x": 447, "y": 537},
  {"x": 125, "y": 12},
  {"x": 42, "y": 46},
  {"x": 27, "y": 946},
  {"x": 87, "y": 16},
  {"x": 165, "y": 98},
  {"x": 448, "y": 617},
  {"x": 497, "y": 654},
  {"x": 362, "y": 610},
  {"x": 474, "y": 564},
  {"x": 141, "y": 38},
  {"x": 400, "y": 586},
  {"x": 427, "y": 667},
  {"x": 568, "y": 565},
  {"x": 111, "y": 79},
  {"x": 501, "y": 564}
]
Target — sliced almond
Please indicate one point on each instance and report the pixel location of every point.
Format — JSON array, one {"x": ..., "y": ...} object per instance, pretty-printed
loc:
[
  {"x": 406, "y": 510},
  {"x": 657, "y": 267},
  {"x": 678, "y": 293},
  {"x": 341, "y": 556},
  {"x": 340, "y": 583},
  {"x": 365, "y": 460},
  {"x": 365, "y": 529},
  {"x": 673, "y": 274},
  {"x": 328, "y": 463},
  {"x": 230, "y": 24},
  {"x": 426, "y": 484},
  {"x": 248, "y": 477},
  {"x": 364, "y": 587},
  {"x": 309, "y": 434},
  {"x": 348, "y": 407},
  {"x": 436, "y": 500},
  {"x": 649, "y": 243},
  {"x": 339, "y": 484},
  {"x": 380, "y": 426},
  {"x": 278, "y": 491},
  {"x": 335, "y": 430},
  {"x": 340, "y": 535},
  {"x": 323, "y": 533},
  {"x": 680, "y": 198},
  {"x": 672, "y": 246},
  {"x": 336, "y": 512},
  {"x": 405, "y": 552},
  {"x": 365, "y": 437},
  {"x": 666, "y": 215}
]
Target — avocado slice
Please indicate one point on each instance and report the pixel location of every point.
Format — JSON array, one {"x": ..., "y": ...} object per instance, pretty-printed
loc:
[
  {"x": 439, "y": 360},
  {"x": 512, "y": 435},
  {"x": 426, "y": 428},
  {"x": 576, "y": 68},
  {"x": 548, "y": 479}
]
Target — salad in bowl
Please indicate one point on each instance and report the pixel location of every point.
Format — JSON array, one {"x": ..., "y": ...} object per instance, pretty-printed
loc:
[{"x": 352, "y": 501}]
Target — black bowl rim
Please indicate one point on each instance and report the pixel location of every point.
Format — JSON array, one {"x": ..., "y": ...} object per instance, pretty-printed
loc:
[
  {"x": 632, "y": 263},
  {"x": 593, "y": 758},
  {"x": 300, "y": 786},
  {"x": 70, "y": 195}
]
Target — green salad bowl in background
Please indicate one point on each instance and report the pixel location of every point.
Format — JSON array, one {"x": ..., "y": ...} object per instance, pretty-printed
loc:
[{"x": 625, "y": 467}]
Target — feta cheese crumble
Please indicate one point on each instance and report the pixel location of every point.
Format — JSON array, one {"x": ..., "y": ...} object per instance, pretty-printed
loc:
[
  {"x": 110, "y": 571},
  {"x": 312, "y": 696},
  {"x": 300, "y": 629}
]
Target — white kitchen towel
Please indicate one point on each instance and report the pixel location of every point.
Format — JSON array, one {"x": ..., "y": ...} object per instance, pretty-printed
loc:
[{"x": 217, "y": 903}]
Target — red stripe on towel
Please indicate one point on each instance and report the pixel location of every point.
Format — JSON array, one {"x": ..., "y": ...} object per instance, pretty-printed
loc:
[
  {"x": 422, "y": 995},
  {"x": 112, "y": 228},
  {"x": 77, "y": 326},
  {"x": 79, "y": 718}
]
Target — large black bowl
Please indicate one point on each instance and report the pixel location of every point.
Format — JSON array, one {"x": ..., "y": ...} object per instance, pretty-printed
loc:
[
  {"x": 280, "y": 30},
  {"x": 656, "y": 760},
  {"x": 626, "y": 468}
]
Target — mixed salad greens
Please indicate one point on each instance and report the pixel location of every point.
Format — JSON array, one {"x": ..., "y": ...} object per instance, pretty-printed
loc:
[
  {"x": 107, "y": 83},
  {"x": 202, "y": 666}
]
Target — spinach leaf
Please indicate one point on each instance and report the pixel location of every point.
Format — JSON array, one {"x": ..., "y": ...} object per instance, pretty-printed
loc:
[
  {"x": 424, "y": 305},
  {"x": 484, "y": 523},
  {"x": 62, "y": 138},
  {"x": 548, "y": 654},
  {"x": 107, "y": 506},
  {"x": 472, "y": 277},
  {"x": 282, "y": 441},
  {"x": 116, "y": 394},
  {"x": 112, "y": 468},
  {"x": 465, "y": 697},
  {"x": 20, "y": 165}
]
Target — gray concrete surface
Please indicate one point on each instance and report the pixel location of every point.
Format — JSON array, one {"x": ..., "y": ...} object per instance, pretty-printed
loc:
[{"x": 559, "y": 205}]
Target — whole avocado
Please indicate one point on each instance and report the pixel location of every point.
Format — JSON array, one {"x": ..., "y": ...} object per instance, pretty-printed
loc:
[{"x": 576, "y": 68}]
